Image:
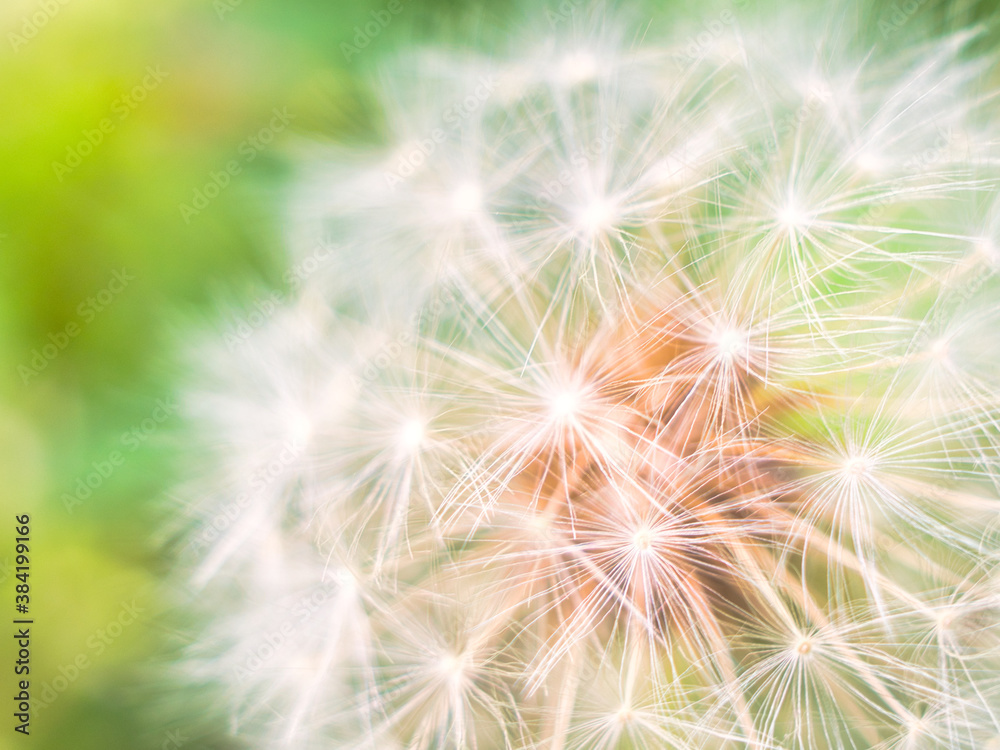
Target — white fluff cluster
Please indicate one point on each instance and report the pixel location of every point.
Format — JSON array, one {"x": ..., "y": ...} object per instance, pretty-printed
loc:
[{"x": 648, "y": 397}]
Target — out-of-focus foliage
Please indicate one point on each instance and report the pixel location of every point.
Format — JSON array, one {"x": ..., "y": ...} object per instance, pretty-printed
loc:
[{"x": 213, "y": 74}]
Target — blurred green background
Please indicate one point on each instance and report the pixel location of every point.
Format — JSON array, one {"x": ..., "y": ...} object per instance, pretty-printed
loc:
[
  {"x": 165, "y": 93},
  {"x": 178, "y": 86}
]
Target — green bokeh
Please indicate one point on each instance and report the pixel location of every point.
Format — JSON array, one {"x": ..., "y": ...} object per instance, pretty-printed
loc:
[{"x": 63, "y": 234}]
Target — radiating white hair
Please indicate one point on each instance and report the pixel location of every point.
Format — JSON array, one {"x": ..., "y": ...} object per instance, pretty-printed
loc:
[{"x": 641, "y": 392}]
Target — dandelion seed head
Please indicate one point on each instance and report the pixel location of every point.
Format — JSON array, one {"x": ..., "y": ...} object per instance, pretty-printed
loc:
[
  {"x": 567, "y": 403},
  {"x": 615, "y": 421},
  {"x": 597, "y": 216},
  {"x": 624, "y": 715},
  {"x": 804, "y": 647},
  {"x": 347, "y": 581},
  {"x": 987, "y": 249},
  {"x": 300, "y": 428},
  {"x": 577, "y": 67},
  {"x": 731, "y": 343},
  {"x": 857, "y": 465},
  {"x": 411, "y": 435},
  {"x": 944, "y": 619},
  {"x": 792, "y": 217},
  {"x": 453, "y": 667},
  {"x": 939, "y": 349},
  {"x": 643, "y": 539},
  {"x": 466, "y": 199}
]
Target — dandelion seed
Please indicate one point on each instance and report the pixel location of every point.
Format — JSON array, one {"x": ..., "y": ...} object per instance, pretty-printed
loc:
[
  {"x": 596, "y": 217},
  {"x": 939, "y": 350},
  {"x": 467, "y": 199},
  {"x": 793, "y": 218},
  {"x": 411, "y": 436},
  {"x": 730, "y": 344},
  {"x": 578, "y": 67},
  {"x": 857, "y": 466}
]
